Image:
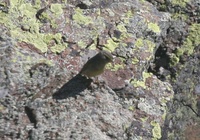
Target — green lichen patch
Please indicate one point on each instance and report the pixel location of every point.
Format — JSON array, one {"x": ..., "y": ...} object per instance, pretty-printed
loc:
[
  {"x": 121, "y": 27},
  {"x": 135, "y": 61},
  {"x": 178, "y": 16},
  {"x": 110, "y": 12},
  {"x": 192, "y": 41},
  {"x": 111, "y": 45},
  {"x": 82, "y": 44},
  {"x": 150, "y": 45},
  {"x": 131, "y": 108},
  {"x": 41, "y": 41},
  {"x": 27, "y": 13},
  {"x": 173, "y": 59},
  {"x": 145, "y": 48},
  {"x": 139, "y": 42},
  {"x": 141, "y": 83},
  {"x": 116, "y": 67},
  {"x": 144, "y": 119},
  {"x": 46, "y": 61},
  {"x": 56, "y": 13},
  {"x": 154, "y": 27},
  {"x": 137, "y": 83},
  {"x": 181, "y": 3},
  {"x": 127, "y": 15},
  {"x": 80, "y": 18},
  {"x": 57, "y": 9},
  {"x": 145, "y": 44},
  {"x": 58, "y": 48},
  {"x": 27, "y": 29},
  {"x": 156, "y": 131},
  {"x": 34, "y": 39},
  {"x": 124, "y": 34}
]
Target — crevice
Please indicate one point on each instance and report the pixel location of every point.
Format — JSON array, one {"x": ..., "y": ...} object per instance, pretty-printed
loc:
[
  {"x": 82, "y": 6},
  {"x": 89, "y": 44},
  {"x": 39, "y": 13},
  {"x": 66, "y": 41},
  {"x": 187, "y": 105},
  {"x": 101, "y": 46},
  {"x": 161, "y": 64},
  {"x": 31, "y": 115}
]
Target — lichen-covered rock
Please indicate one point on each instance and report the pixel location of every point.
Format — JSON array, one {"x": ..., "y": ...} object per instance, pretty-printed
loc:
[{"x": 177, "y": 61}]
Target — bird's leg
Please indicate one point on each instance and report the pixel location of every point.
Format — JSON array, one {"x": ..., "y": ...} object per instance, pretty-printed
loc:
[{"x": 99, "y": 81}]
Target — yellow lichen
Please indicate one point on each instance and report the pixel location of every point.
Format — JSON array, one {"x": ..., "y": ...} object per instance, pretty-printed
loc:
[
  {"x": 144, "y": 119},
  {"x": 114, "y": 67},
  {"x": 56, "y": 9},
  {"x": 58, "y": 48},
  {"x": 156, "y": 131},
  {"x": 137, "y": 83},
  {"x": 139, "y": 43},
  {"x": 141, "y": 83},
  {"x": 80, "y": 18},
  {"x": 131, "y": 108},
  {"x": 154, "y": 27},
  {"x": 135, "y": 61},
  {"x": 111, "y": 44}
]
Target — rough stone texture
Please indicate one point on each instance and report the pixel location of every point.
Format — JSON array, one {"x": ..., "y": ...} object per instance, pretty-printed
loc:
[
  {"x": 150, "y": 91},
  {"x": 177, "y": 61}
]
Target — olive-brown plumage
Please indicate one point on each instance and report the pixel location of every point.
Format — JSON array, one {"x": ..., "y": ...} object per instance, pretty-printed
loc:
[{"x": 95, "y": 66}]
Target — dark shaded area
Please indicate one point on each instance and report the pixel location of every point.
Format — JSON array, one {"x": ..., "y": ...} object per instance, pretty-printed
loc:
[
  {"x": 31, "y": 115},
  {"x": 161, "y": 60},
  {"x": 30, "y": 137},
  {"x": 117, "y": 34},
  {"x": 72, "y": 88},
  {"x": 82, "y": 6},
  {"x": 161, "y": 65}
]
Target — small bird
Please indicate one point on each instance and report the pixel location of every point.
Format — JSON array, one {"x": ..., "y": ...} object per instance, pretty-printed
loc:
[{"x": 95, "y": 66}]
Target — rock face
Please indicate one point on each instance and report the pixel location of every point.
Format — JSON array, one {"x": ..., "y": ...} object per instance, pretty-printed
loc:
[{"x": 150, "y": 91}]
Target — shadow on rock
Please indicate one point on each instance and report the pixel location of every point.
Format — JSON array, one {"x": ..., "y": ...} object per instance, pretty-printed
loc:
[{"x": 72, "y": 88}]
